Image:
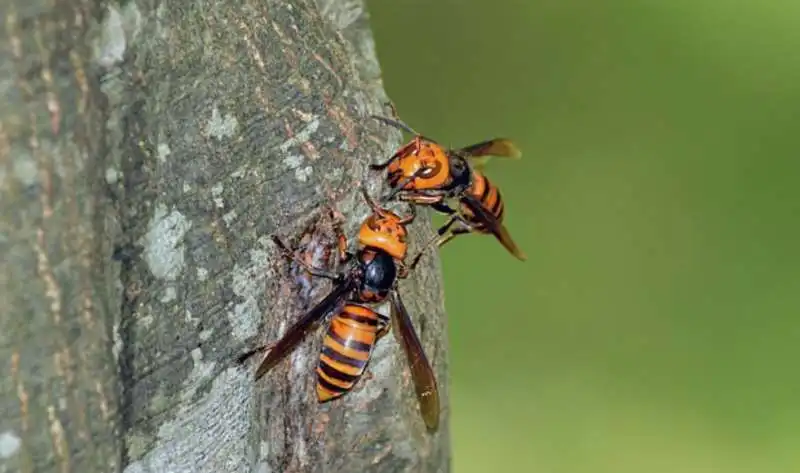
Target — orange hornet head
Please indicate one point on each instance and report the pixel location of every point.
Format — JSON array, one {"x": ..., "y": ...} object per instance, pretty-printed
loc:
[
  {"x": 385, "y": 230},
  {"x": 419, "y": 165}
]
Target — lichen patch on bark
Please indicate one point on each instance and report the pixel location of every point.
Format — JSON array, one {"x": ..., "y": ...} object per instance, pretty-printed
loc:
[
  {"x": 163, "y": 243},
  {"x": 248, "y": 283},
  {"x": 220, "y": 127},
  {"x": 112, "y": 44},
  {"x": 163, "y": 151},
  {"x": 302, "y": 136},
  {"x": 224, "y": 407},
  {"x": 9, "y": 444}
]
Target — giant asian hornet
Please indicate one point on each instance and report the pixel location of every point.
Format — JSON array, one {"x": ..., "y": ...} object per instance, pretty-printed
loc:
[
  {"x": 368, "y": 277},
  {"x": 424, "y": 172}
]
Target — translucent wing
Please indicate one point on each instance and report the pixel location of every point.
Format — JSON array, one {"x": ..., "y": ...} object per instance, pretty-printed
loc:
[
  {"x": 480, "y": 153},
  {"x": 496, "y": 227},
  {"x": 298, "y": 331},
  {"x": 421, "y": 370}
]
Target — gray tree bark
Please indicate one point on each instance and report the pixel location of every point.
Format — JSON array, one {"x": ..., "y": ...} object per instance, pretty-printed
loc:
[{"x": 147, "y": 150}]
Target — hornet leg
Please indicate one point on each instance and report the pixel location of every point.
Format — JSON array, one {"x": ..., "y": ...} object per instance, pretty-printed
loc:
[
  {"x": 442, "y": 239},
  {"x": 288, "y": 254},
  {"x": 341, "y": 240},
  {"x": 435, "y": 240}
]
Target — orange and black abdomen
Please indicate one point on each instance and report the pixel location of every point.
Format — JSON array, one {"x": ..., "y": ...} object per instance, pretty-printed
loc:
[
  {"x": 489, "y": 196},
  {"x": 346, "y": 349}
]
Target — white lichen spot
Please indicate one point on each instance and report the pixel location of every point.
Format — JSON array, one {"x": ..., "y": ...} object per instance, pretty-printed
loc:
[
  {"x": 263, "y": 454},
  {"x": 230, "y": 217},
  {"x": 239, "y": 172},
  {"x": 163, "y": 243},
  {"x": 282, "y": 329},
  {"x": 221, "y": 127},
  {"x": 62, "y": 404},
  {"x": 202, "y": 274},
  {"x": 306, "y": 117},
  {"x": 119, "y": 29},
  {"x": 293, "y": 161},
  {"x": 248, "y": 284},
  {"x": 131, "y": 21},
  {"x": 299, "y": 359},
  {"x": 336, "y": 174},
  {"x": 341, "y": 13},
  {"x": 9, "y": 444},
  {"x": 302, "y": 136},
  {"x": 161, "y": 24},
  {"x": 112, "y": 176},
  {"x": 206, "y": 334},
  {"x": 265, "y": 241},
  {"x": 200, "y": 372},
  {"x": 302, "y": 174},
  {"x": 25, "y": 170},
  {"x": 163, "y": 151},
  {"x": 169, "y": 295},
  {"x": 186, "y": 188},
  {"x": 190, "y": 319},
  {"x": 110, "y": 49},
  {"x": 216, "y": 193},
  {"x": 116, "y": 348},
  {"x": 147, "y": 320}
]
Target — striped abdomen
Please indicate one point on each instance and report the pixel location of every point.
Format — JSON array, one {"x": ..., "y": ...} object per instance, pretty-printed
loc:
[
  {"x": 489, "y": 196},
  {"x": 346, "y": 349}
]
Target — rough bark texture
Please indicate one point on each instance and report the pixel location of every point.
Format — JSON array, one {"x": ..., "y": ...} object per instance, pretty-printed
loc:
[{"x": 147, "y": 150}]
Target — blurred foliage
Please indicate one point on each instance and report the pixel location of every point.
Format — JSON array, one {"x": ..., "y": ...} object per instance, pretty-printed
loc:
[{"x": 655, "y": 325}]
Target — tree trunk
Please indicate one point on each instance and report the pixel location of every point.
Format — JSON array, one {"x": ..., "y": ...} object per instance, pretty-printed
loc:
[{"x": 147, "y": 151}]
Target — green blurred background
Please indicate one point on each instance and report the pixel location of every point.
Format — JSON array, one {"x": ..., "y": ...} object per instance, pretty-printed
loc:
[{"x": 654, "y": 327}]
